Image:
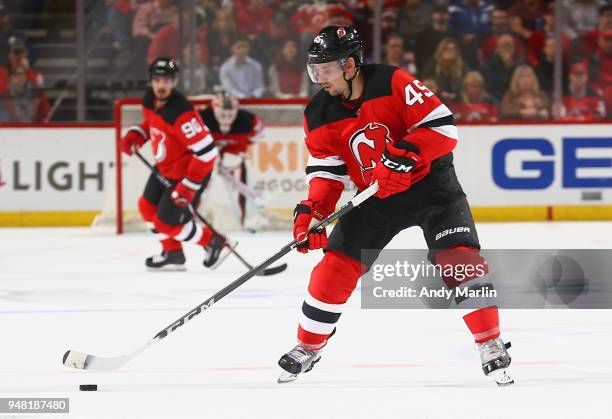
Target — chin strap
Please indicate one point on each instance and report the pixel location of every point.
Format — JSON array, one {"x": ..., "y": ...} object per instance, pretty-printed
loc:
[{"x": 350, "y": 85}]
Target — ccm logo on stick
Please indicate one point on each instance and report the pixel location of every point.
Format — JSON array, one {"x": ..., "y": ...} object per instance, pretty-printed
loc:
[
  {"x": 538, "y": 172},
  {"x": 454, "y": 230}
]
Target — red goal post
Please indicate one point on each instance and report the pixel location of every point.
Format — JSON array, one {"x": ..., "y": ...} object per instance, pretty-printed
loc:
[{"x": 276, "y": 165}]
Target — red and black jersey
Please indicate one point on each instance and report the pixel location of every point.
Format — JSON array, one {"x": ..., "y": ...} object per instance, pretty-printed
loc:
[
  {"x": 590, "y": 107},
  {"x": 486, "y": 110},
  {"x": 246, "y": 129},
  {"x": 182, "y": 144},
  {"x": 347, "y": 140}
]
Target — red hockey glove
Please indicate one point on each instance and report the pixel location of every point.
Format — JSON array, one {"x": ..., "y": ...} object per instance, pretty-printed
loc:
[
  {"x": 305, "y": 217},
  {"x": 184, "y": 192},
  {"x": 393, "y": 170},
  {"x": 133, "y": 138}
]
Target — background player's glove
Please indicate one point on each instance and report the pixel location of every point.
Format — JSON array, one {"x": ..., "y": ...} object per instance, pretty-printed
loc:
[
  {"x": 132, "y": 138},
  {"x": 304, "y": 217},
  {"x": 184, "y": 192},
  {"x": 393, "y": 171}
]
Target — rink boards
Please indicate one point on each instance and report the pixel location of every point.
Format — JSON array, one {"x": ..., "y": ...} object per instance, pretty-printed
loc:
[{"x": 66, "y": 175}]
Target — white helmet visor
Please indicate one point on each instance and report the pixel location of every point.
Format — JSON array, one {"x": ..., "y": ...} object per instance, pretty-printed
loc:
[{"x": 324, "y": 72}]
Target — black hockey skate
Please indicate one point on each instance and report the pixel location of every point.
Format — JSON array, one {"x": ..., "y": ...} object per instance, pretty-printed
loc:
[
  {"x": 214, "y": 251},
  {"x": 298, "y": 360},
  {"x": 174, "y": 260},
  {"x": 496, "y": 360}
]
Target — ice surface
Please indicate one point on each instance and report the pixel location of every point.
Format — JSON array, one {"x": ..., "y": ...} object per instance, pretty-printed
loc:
[{"x": 71, "y": 288}]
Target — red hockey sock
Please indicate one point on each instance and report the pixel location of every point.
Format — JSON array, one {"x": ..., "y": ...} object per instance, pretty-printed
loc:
[
  {"x": 207, "y": 236},
  {"x": 331, "y": 284},
  {"x": 147, "y": 209},
  {"x": 170, "y": 245},
  {"x": 483, "y": 323},
  {"x": 188, "y": 232}
]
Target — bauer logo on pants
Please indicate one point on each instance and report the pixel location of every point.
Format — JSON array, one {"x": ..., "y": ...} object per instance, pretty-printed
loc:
[{"x": 453, "y": 230}]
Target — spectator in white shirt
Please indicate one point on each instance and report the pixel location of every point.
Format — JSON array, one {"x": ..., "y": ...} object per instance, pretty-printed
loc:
[{"x": 241, "y": 75}]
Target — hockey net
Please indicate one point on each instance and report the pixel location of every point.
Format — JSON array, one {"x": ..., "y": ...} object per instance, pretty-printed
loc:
[{"x": 275, "y": 172}]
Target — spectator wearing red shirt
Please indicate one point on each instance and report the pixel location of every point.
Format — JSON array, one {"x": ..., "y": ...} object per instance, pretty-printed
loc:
[
  {"x": 287, "y": 76},
  {"x": 253, "y": 17},
  {"x": 590, "y": 39},
  {"x": 581, "y": 103},
  {"x": 600, "y": 63},
  {"x": 526, "y": 16},
  {"x": 538, "y": 38},
  {"x": 148, "y": 19},
  {"x": 166, "y": 41},
  {"x": 500, "y": 25},
  {"x": 475, "y": 103},
  {"x": 309, "y": 19},
  {"x": 22, "y": 98}
]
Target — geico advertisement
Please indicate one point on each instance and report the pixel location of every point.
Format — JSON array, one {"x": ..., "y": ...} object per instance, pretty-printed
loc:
[
  {"x": 536, "y": 164},
  {"x": 54, "y": 169}
]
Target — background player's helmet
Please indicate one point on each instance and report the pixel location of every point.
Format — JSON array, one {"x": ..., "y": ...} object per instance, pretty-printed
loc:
[
  {"x": 163, "y": 67},
  {"x": 329, "y": 51},
  {"x": 225, "y": 108}
]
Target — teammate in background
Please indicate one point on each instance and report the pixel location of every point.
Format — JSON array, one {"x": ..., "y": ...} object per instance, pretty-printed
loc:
[
  {"x": 376, "y": 123},
  {"x": 233, "y": 130},
  {"x": 185, "y": 154}
]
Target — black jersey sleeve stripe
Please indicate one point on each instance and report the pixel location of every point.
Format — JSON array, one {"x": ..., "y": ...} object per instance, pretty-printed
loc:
[
  {"x": 205, "y": 150},
  {"x": 438, "y": 122},
  {"x": 319, "y": 315},
  {"x": 339, "y": 170}
]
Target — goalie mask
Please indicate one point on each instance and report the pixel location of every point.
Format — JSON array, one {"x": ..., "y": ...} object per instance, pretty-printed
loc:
[
  {"x": 329, "y": 51},
  {"x": 225, "y": 108}
]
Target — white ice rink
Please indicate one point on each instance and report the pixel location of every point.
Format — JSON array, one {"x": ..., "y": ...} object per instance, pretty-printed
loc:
[{"x": 71, "y": 288}]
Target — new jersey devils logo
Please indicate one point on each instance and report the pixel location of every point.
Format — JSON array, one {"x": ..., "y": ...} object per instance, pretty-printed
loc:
[
  {"x": 363, "y": 144},
  {"x": 158, "y": 139}
]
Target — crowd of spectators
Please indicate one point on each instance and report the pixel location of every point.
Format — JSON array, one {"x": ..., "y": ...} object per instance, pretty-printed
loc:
[{"x": 488, "y": 60}]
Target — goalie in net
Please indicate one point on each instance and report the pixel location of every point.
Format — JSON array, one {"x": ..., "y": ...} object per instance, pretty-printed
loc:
[{"x": 234, "y": 130}]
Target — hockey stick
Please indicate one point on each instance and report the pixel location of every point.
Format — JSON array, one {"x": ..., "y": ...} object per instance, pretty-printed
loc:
[
  {"x": 166, "y": 182},
  {"x": 81, "y": 360}
]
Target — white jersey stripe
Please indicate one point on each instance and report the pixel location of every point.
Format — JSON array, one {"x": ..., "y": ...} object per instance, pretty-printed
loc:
[
  {"x": 449, "y": 131},
  {"x": 313, "y": 302},
  {"x": 200, "y": 145},
  {"x": 327, "y": 161},
  {"x": 187, "y": 228},
  {"x": 327, "y": 175},
  {"x": 314, "y": 326},
  {"x": 440, "y": 112},
  {"x": 206, "y": 157}
]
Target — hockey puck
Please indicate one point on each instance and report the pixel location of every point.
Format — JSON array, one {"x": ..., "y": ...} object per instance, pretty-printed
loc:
[{"x": 88, "y": 387}]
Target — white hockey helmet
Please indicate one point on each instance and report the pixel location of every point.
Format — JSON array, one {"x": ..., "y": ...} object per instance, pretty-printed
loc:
[{"x": 225, "y": 107}]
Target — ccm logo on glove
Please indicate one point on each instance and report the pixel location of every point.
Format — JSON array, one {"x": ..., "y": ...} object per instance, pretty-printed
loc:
[{"x": 397, "y": 164}]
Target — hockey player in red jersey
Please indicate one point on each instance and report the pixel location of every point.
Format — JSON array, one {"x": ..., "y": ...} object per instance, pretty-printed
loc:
[
  {"x": 233, "y": 130},
  {"x": 185, "y": 154},
  {"x": 376, "y": 123}
]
